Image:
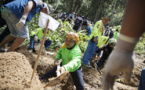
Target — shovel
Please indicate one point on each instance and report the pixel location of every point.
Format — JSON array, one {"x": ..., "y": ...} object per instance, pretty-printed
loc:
[{"x": 58, "y": 79}]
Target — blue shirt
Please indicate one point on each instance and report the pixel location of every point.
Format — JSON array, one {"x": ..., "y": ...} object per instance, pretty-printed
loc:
[
  {"x": 89, "y": 30},
  {"x": 70, "y": 16},
  {"x": 18, "y": 6}
]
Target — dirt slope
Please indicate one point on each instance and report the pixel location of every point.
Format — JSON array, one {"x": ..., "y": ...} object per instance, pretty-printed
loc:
[{"x": 92, "y": 79}]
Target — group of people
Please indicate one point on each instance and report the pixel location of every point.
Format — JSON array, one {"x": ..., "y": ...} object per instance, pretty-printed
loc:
[
  {"x": 16, "y": 13},
  {"x": 78, "y": 22}
]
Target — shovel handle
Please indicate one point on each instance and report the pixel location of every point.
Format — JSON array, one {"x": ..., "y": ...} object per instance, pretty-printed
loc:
[{"x": 39, "y": 53}]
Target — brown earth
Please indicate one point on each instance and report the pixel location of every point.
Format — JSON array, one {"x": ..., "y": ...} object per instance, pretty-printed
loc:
[
  {"x": 92, "y": 78},
  {"x": 15, "y": 72}
]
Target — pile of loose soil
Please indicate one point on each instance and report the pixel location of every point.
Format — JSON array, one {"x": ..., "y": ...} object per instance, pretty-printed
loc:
[{"x": 15, "y": 73}]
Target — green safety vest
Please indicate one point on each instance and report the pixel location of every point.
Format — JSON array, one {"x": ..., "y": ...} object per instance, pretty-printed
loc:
[
  {"x": 116, "y": 35},
  {"x": 102, "y": 41},
  {"x": 39, "y": 33},
  {"x": 96, "y": 30}
]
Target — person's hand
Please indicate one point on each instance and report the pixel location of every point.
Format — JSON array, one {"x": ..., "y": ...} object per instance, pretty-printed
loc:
[
  {"x": 35, "y": 38},
  {"x": 56, "y": 62},
  {"x": 98, "y": 57},
  {"x": 21, "y": 22},
  {"x": 60, "y": 70},
  {"x": 119, "y": 61},
  {"x": 96, "y": 40}
]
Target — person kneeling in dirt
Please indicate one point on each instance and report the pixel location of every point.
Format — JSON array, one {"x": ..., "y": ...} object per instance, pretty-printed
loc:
[
  {"x": 70, "y": 54},
  {"x": 36, "y": 37},
  {"x": 107, "y": 49}
]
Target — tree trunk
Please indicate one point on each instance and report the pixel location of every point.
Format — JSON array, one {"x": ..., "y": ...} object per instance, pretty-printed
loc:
[
  {"x": 90, "y": 3},
  {"x": 73, "y": 5},
  {"x": 81, "y": 4},
  {"x": 113, "y": 12},
  {"x": 76, "y": 8},
  {"x": 99, "y": 10}
]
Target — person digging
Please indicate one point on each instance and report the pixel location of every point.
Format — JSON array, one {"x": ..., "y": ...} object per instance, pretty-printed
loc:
[
  {"x": 36, "y": 37},
  {"x": 107, "y": 49},
  {"x": 70, "y": 54}
]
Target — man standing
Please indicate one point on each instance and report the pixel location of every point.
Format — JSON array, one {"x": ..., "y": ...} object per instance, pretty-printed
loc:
[
  {"x": 78, "y": 23},
  {"x": 93, "y": 40},
  {"x": 16, "y": 14}
]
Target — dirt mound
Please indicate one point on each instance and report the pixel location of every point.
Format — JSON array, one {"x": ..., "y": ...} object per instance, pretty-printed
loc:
[
  {"x": 15, "y": 72},
  {"x": 29, "y": 56}
]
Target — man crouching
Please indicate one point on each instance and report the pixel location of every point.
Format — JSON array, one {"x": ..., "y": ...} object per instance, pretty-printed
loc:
[{"x": 70, "y": 54}]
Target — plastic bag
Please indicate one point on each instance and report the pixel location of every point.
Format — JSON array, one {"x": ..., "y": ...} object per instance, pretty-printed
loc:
[{"x": 43, "y": 18}]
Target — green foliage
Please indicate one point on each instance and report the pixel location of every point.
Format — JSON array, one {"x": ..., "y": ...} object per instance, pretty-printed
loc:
[
  {"x": 95, "y": 9},
  {"x": 140, "y": 47},
  {"x": 2, "y": 29},
  {"x": 58, "y": 36}
]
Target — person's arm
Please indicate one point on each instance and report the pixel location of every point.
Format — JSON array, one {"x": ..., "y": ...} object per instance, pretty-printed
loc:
[
  {"x": 102, "y": 28},
  {"x": 93, "y": 30},
  {"x": 27, "y": 9},
  {"x": 133, "y": 21},
  {"x": 81, "y": 22},
  {"x": 100, "y": 49},
  {"x": 121, "y": 59}
]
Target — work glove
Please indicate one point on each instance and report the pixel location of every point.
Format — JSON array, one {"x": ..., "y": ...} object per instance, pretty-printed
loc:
[
  {"x": 35, "y": 38},
  {"x": 120, "y": 60},
  {"x": 60, "y": 70},
  {"x": 21, "y": 22}
]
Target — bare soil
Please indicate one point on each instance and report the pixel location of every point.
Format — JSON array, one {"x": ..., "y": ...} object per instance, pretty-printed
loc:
[
  {"x": 16, "y": 70},
  {"x": 15, "y": 73}
]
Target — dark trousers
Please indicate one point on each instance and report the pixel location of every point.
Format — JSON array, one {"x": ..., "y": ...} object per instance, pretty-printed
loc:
[
  {"x": 6, "y": 31},
  {"x": 101, "y": 63},
  {"x": 77, "y": 77},
  {"x": 47, "y": 43},
  {"x": 4, "y": 34},
  {"x": 76, "y": 28},
  {"x": 142, "y": 81}
]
